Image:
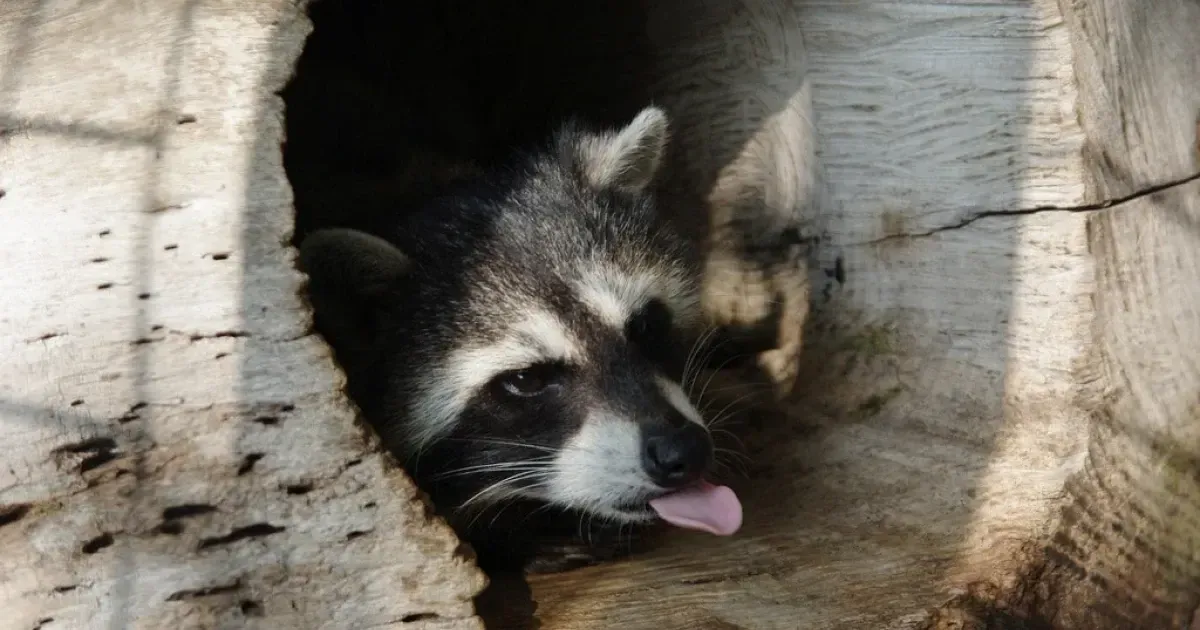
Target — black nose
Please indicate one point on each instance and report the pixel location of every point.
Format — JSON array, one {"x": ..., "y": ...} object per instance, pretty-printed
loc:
[{"x": 676, "y": 456}]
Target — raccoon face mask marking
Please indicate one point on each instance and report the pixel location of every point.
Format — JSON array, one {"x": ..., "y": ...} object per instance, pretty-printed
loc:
[
  {"x": 536, "y": 339},
  {"x": 524, "y": 339}
]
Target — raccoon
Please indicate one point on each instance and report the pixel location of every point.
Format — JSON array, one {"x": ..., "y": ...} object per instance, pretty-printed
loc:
[{"x": 522, "y": 343}]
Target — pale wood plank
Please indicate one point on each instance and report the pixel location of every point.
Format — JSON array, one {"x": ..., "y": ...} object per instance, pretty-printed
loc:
[{"x": 160, "y": 386}]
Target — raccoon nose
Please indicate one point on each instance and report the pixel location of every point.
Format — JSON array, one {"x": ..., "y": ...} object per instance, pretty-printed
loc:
[{"x": 677, "y": 457}]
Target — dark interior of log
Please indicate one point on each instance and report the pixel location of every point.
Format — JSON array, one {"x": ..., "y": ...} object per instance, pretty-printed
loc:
[
  {"x": 389, "y": 98},
  {"x": 389, "y": 95}
]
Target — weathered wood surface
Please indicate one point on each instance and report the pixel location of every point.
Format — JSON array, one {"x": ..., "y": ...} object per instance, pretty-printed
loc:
[
  {"x": 1126, "y": 553},
  {"x": 995, "y": 422},
  {"x": 177, "y": 453},
  {"x": 995, "y": 418}
]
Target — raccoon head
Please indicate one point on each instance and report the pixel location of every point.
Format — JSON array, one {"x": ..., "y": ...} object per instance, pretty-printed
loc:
[{"x": 527, "y": 338}]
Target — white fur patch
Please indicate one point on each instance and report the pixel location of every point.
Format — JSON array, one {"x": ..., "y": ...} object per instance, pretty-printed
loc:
[
  {"x": 548, "y": 333},
  {"x": 600, "y": 466},
  {"x": 615, "y": 294},
  {"x": 540, "y": 337},
  {"x": 678, "y": 399}
]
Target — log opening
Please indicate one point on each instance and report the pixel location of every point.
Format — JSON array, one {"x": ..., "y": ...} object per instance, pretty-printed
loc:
[
  {"x": 946, "y": 385},
  {"x": 391, "y": 100}
]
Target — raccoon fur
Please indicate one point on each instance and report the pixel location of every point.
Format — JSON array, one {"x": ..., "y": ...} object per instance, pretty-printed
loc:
[{"x": 522, "y": 344}]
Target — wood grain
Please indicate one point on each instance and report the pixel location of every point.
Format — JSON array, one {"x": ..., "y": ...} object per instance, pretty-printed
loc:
[
  {"x": 933, "y": 423},
  {"x": 991, "y": 209},
  {"x": 178, "y": 453},
  {"x": 1126, "y": 553}
]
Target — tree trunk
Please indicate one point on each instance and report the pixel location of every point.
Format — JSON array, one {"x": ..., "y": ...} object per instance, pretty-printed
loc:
[
  {"x": 178, "y": 453},
  {"x": 990, "y": 416}
]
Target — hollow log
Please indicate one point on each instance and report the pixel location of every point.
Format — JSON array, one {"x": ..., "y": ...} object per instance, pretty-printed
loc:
[
  {"x": 979, "y": 224},
  {"x": 178, "y": 453}
]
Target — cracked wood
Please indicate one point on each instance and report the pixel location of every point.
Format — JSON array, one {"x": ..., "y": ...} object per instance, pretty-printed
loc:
[
  {"x": 933, "y": 423},
  {"x": 964, "y": 430}
]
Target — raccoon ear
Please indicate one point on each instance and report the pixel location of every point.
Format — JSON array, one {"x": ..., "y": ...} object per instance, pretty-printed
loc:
[
  {"x": 627, "y": 159},
  {"x": 349, "y": 274},
  {"x": 351, "y": 262}
]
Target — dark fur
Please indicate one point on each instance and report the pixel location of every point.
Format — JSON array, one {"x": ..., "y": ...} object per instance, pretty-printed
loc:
[
  {"x": 401, "y": 122},
  {"x": 390, "y": 315}
]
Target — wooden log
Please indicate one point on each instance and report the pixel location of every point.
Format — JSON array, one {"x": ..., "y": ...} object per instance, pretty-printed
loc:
[
  {"x": 993, "y": 422},
  {"x": 1125, "y": 552},
  {"x": 178, "y": 453}
]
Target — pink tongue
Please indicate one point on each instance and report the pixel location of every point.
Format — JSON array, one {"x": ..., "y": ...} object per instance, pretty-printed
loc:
[{"x": 705, "y": 507}]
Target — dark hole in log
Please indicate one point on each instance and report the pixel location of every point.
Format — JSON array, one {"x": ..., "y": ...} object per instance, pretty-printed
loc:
[
  {"x": 170, "y": 528},
  {"x": 97, "y": 460},
  {"x": 418, "y": 617},
  {"x": 98, "y": 451},
  {"x": 250, "y": 531},
  {"x": 250, "y": 608},
  {"x": 133, "y": 414},
  {"x": 13, "y": 513},
  {"x": 97, "y": 543},
  {"x": 186, "y": 510},
  {"x": 248, "y": 463},
  {"x": 204, "y": 592},
  {"x": 88, "y": 445}
]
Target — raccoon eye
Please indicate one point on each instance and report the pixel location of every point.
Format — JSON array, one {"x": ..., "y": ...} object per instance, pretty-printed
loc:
[
  {"x": 525, "y": 382},
  {"x": 650, "y": 326}
]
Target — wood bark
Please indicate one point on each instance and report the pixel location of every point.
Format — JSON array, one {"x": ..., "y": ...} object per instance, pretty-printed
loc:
[{"x": 177, "y": 450}]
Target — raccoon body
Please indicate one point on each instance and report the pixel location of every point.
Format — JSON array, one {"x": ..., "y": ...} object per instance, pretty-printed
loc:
[{"x": 522, "y": 342}]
